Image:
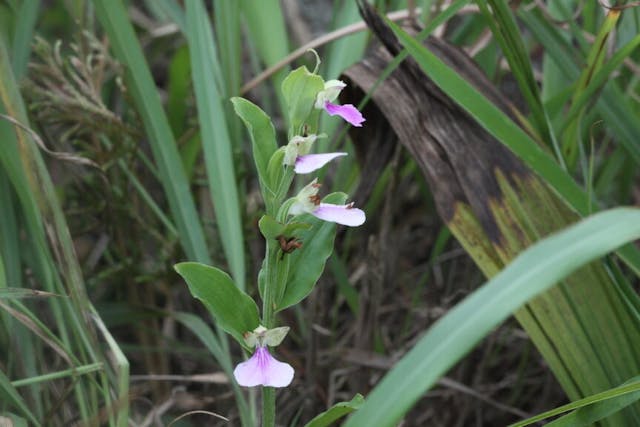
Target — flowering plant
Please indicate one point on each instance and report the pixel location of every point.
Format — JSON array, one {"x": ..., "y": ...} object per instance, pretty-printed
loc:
[{"x": 299, "y": 231}]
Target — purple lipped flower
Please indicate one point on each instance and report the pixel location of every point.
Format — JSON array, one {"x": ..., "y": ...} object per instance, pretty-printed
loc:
[
  {"x": 325, "y": 98},
  {"x": 308, "y": 201},
  {"x": 262, "y": 368},
  {"x": 296, "y": 154},
  {"x": 312, "y": 162}
]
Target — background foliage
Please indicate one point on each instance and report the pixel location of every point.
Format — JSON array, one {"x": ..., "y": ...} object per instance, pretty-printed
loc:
[{"x": 122, "y": 155}]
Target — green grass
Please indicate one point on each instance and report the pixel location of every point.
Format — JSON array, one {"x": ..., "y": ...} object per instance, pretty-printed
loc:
[{"x": 176, "y": 182}]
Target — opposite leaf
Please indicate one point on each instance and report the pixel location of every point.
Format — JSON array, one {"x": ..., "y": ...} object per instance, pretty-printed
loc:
[{"x": 233, "y": 310}]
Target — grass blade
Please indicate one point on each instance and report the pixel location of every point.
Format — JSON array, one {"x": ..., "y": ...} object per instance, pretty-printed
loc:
[
  {"x": 571, "y": 137},
  {"x": 11, "y": 396},
  {"x": 267, "y": 29},
  {"x": 536, "y": 269},
  {"x": 612, "y": 105},
  {"x": 113, "y": 17},
  {"x": 215, "y": 139},
  {"x": 603, "y": 404},
  {"x": 23, "y": 36},
  {"x": 504, "y": 29}
]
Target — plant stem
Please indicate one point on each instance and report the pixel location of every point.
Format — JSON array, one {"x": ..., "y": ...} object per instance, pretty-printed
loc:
[
  {"x": 268, "y": 407},
  {"x": 268, "y": 320}
]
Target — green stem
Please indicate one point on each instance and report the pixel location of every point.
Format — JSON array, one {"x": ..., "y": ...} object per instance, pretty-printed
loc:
[
  {"x": 268, "y": 321},
  {"x": 268, "y": 302},
  {"x": 268, "y": 407}
]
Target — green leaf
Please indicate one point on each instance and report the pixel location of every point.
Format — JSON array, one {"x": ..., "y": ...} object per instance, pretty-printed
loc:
[
  {"x": 345, "y": 51},
  {"x": 597, "y": 81},
  {"x": 612, "y": 105},
  {"x": 336, "y": 412},
  {"x": 10, "y": 396},
  {"x": 535, "y": 270},
  {"x": 271, "y": 229},
  {"x": 306, "y": 265},
  {"x": 140, "y": 85},
  {"x": 26, "y": 19},
  {"x": 590, "y": 409},
  {"x": 262, "y": 133},
  {"x": 173, "y": 11},
  {"x": 300, "y": 90},
  {"x": 281, "y": 178},
  {"x": 571, "y": 138},
  {"x": 216, "y": 142},
  {"x": 234, "y": 311},
  {"x": 18, "y": 293},
  {"x": 505, "y": 30},
  {"x": 178, "y": 89},
  {"x": 268, "y": 33}
]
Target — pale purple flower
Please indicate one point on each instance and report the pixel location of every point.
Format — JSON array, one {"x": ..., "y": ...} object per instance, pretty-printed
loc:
[
  {"x": 308, "y": 201},
  {"x": 347, "y": 111},
  {"x": 325, "y": 98},
  {"x": 263, "y": 369},
  {"x": 296, "y": 154},
  {"x": 341, "y": 214},
  {"x": 312, "y": 162}
]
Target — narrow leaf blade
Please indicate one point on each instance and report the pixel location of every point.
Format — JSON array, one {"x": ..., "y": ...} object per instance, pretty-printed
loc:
[{"x": 535, "y": 270}]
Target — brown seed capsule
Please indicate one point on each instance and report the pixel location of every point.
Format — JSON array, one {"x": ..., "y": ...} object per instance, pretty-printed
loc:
[{"x": 288, "y": 245}]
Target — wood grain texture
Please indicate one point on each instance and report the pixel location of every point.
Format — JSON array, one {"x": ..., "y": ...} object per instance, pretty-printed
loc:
[{"x": 458, "y": 157}]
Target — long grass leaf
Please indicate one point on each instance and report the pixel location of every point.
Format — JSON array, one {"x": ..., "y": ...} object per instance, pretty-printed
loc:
[
  {"x": 599, "y": 79},
  {"x": 216, "y": 143},
  {"x": 113, "y": 17},
  {"x": 57, "y": 270},
  {"x": 571, "y": 139},
  {"x": 535, "y": 270},
  {"x": 348, "y": 50},
  {"x": 226, "y": 15},
  {"x": 11, "y": 396},
  {"x": 590, "y": 409},
  {"x": 504, "y": 29},
  {"x": 25, "y": 20},
  {"x": 267, "y": 29},
  {"x": 612, "y": 105}
]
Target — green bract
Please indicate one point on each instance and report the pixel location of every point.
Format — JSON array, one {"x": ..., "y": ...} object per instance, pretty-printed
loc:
[
  {"x": 300, "y": 90},
  {"x": 272, "y": 229}
]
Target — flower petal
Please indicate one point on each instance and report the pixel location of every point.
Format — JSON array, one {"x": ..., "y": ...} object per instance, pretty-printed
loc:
[
  {"x": 347, "y": 112},
  {"x": 332, "y": 89},
  {"x": 341, "y": 214},
  {"x": 279, "y": 374},
  {"x": 311, "y": 162},
  {"x": 263, "y": 369}
]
